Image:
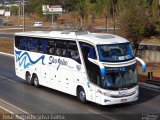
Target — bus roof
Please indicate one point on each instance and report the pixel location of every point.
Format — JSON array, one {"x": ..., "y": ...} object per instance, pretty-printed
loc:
[{"x": 94, "y": 38}]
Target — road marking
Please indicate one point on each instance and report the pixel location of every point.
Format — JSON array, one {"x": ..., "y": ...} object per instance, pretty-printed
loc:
[
  {"x": 149, "y": 88},
  {"x": 3, "y": 53},
  {"x": 7, "y": 79},
  {"x": 14, "y": 106},
  {"x": 11, "y": 29},
  {"x": 98, "y": 113}
]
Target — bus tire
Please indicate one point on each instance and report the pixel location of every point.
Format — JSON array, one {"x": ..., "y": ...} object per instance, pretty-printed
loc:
[
  {"x": 28, "y": 78},
  {"x": 81, "y": 95},
  {"x": 36, "y": 81}
]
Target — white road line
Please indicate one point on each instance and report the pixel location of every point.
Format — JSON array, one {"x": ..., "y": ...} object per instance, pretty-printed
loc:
[
  {"x": 95, "y": 112},
  {"x": 14, "y": 106},
  {"x": 149, "y": 88},
  {"x": 7, "y": 79},
  {"x": 11, "y": 29},
  {"x": 18, "y": 117},
  {"x": 3, "y": 53},
  {"x": 98, "y": 113}
]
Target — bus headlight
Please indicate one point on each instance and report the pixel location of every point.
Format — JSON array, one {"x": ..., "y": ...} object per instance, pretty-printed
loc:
[{"x": 137, "y": 88}]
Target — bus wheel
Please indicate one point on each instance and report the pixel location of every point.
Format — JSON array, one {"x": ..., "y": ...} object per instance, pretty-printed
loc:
[
  {"x": 28, "y": 78},
  {"x": 82, "y": 95},
  {"x": 36, "y": 81}
]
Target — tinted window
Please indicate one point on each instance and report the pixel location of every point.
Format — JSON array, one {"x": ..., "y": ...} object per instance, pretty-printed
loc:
[
  {"x": 60, "y": 48},
  {"x": 72, "y": 51},
  {"x": 48, "y": 46},
  {"x": 90, "y": 48},
  {"x": 17, "y": 41},
  {"x": 28, "y": 43},
  {"x": 115, "y": 52}
]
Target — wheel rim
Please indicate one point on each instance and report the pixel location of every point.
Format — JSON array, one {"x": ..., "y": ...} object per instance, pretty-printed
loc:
[
  {"x": 82, "y": 95},
  {"x": 36, "y": 83}
]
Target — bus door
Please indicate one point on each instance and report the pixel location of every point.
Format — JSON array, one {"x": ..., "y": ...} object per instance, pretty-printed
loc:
[
  {"x": 93, "y": 71},
  {"x": 93, "y": 86}
]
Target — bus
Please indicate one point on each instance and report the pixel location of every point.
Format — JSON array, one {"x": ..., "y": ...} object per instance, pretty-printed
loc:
[{"x": 95, "y": 67}]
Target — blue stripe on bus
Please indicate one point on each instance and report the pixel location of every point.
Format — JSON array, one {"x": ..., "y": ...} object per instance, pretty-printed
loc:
[{"x": 23, "y": 59}]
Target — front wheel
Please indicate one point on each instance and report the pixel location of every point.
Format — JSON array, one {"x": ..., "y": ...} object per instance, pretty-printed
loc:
[{"x": 82, "y": 95}]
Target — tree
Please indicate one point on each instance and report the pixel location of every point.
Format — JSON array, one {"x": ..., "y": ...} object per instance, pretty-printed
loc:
[
  {"x": 109, "y": 8},
  {"x": 14, "y": 10},
  {"x": 69, "y": 5},
  {"x": 82, "y": 10},
  {"x": 133, "y": 23},
  {"x": 156, "y": 13}
]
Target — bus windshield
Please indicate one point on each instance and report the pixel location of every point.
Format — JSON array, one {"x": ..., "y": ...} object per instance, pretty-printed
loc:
[
  {"x": 120, "y": 77},
  {"x": 115, "y": 52}
]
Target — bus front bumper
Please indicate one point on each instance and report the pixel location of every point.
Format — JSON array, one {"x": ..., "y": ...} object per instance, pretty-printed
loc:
[{"x": 113, "y": 100}]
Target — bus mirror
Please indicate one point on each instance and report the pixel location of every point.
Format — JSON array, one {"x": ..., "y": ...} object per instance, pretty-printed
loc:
[
  {"x": 101, "y": 66},
  {"x": 143, "y": 64}
]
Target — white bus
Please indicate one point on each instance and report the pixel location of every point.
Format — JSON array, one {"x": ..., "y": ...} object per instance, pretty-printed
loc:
[{"x": 95, "y": 67}]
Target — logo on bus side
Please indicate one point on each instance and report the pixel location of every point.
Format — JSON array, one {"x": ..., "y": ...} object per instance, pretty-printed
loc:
[
  {"x": 59, "y": 61},
  {"x": 25, "y": 59}
]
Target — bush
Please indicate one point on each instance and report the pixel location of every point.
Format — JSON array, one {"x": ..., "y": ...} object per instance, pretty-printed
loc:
[{"x": 149, "y": 30}]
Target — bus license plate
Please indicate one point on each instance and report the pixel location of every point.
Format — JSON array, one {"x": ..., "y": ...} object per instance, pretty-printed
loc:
[{"x": 123, "y": 100}]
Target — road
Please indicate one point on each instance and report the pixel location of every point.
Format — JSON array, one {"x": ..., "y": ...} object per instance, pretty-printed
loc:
[
  {"x": 29, "y": 99},
  {"x": 6, "y": 35}
]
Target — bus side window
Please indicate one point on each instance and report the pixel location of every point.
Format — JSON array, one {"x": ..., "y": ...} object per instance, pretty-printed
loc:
[
  {"x": 72, "y": 51},
  {"x": 60, "y": 48},
  {"x": 30, "y": 44},
  {"x": 35, "y": 45},
  {"x": 44, "y": 46},
  {"x": 17, "y": 42},
  {"x": 91, "y": 50},
  {"x": 23, "y": 42},
  {"x": 51, "y": 44}
]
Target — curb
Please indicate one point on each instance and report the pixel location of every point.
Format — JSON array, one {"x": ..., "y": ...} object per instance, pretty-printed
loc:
[
  {"x": 149, "y": 85},
  {"x": 7, "y": 54}
]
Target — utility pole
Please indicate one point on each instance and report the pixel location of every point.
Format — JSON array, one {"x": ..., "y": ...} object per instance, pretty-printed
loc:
[
  {"x": 23, "y": 18},
  {"x": 19, "y": 13},
  {"x": 113, "y": 9},
  {"x": 106, "y": 17}
]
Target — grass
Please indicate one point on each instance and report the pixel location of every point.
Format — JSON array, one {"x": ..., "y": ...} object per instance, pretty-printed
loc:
[{"x": 6, "y": 45}]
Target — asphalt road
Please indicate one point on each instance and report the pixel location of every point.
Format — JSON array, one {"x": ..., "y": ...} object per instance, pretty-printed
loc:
[
  {"x": 6, "y": 35},
  {"x": 29, "y": 99}
]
